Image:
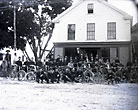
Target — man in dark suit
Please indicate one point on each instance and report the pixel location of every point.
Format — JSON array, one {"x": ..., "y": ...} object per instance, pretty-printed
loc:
[
  {"x": 19, "y": 64},
  {"x": 8, "y": 60}
]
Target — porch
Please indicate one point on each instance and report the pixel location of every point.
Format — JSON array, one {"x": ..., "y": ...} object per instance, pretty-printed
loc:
[{"x": 106, "y": 50}]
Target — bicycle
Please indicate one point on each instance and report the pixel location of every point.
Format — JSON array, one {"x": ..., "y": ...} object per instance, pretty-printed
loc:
[{"x": 20, "y": 74}]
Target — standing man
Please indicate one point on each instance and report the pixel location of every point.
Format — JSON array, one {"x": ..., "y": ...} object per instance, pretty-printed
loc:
[
  {"x": 15, "y": 58},
  {"x": 19, "y": 64},
  {"x": 4, "y": 68},
  {"x": 19, "y": 67},
  {"x": 8, "y": 60}
]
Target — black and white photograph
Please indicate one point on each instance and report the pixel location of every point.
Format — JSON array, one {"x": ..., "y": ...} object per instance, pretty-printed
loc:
[{"x": 68, "y": 54}]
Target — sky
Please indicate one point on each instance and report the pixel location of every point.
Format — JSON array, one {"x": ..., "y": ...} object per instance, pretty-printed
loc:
[{"x": 128, "y": 6}]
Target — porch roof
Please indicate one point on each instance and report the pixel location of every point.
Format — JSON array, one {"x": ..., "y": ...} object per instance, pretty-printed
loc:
[{"x": 92, "y": 44}]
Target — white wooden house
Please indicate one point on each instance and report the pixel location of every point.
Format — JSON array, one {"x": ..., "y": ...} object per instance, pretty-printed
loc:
[{"x": 93, "y": 27}]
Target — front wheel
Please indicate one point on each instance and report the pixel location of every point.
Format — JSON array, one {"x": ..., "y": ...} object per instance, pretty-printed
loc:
[
  {"x": 30, "y": 76},
  {"x": 13, "y": 75},
  {"x": 21, "y": 75}
]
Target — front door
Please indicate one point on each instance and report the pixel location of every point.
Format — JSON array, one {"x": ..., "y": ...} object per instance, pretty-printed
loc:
[
  {"x": 71, "y": 52},
  {"x": 90, "y": 51},
  {"x": 105, "y": 53}
]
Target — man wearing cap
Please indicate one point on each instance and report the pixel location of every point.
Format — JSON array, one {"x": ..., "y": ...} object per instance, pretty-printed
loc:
[{"x": 8, "y": 59}]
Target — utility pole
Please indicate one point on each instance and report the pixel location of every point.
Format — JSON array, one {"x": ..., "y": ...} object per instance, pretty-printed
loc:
[{"x": 14, "y": 24}]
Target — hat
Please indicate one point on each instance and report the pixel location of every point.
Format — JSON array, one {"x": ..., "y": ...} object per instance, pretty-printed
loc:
[{"x": 7, "y": 50}]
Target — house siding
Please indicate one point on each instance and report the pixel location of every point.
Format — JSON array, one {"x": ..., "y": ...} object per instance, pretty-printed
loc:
[
  {"x": 102, "y": 15},
  {"x": 59, "y": 51},
  {"x": 124, "y": 54}
]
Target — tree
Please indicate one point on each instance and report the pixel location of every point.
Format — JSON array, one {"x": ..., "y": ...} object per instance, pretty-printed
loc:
[
  {"x": 6, "y": 26},
  {"x": 5, "y": 22},
  {"x": 33, "y": 23}
]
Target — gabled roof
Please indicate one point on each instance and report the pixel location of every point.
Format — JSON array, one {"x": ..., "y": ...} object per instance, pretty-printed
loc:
[
  {"x": 126, "y": 16},
  {"x": 66, "y": 11}
]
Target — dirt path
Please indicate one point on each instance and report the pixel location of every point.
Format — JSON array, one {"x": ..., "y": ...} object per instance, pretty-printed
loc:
[{"x": 16, "y": 95}]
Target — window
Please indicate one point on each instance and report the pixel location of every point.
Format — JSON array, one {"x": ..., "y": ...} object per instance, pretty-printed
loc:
[
  {"x": 91, "y": 31},
  {"x": 90, "y": 8},
  {"x": 111, "y": 30},
  {"x": 71, "y": 31}
]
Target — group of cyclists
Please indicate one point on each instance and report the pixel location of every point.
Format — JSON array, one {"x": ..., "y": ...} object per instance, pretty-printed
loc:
[
  {"x": 74, "y": 69},
  {"x": 86, "y": 69}
]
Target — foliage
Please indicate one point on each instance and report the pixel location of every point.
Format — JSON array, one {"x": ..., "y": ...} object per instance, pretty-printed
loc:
[{"x": 33, "y": 23}]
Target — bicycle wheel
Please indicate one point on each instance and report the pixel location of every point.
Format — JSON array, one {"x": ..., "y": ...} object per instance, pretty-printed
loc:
[
  {"x": 12, "y": 75},
  {"x": 88, "y": 76},
  {"x": 30, "y": 76},
  {"x": 21, "y": 75}
]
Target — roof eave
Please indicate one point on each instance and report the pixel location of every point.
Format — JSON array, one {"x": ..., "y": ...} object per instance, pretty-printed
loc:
[
  {"x": 55, "y": 21},
  {"x": 128, "y": 18},
  {"x": 126, "y": 15}
]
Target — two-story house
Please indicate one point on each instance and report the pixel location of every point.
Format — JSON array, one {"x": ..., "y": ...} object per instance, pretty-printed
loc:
[{"x": 93, "y": 27}]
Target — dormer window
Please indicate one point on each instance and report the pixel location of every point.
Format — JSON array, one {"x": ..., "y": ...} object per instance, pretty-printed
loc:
[{"x": 90, "y": 8}]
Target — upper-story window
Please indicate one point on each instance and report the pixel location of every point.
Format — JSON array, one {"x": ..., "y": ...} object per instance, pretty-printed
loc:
[
  {"x": 90, "y": 8},
  {"x": 91, "y": 31},
  {"x": 71, "y": 31},
  {"x": 111, "y": 30}
]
